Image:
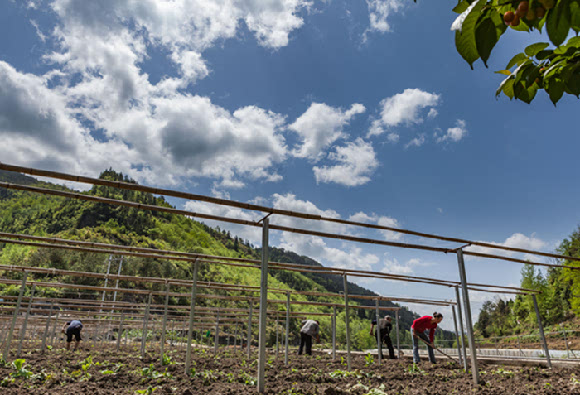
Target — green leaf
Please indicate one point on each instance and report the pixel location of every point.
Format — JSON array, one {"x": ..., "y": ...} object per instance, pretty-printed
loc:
[
  {"x": 461, "y": 6},
  {"x": 508, "y": 89},
  {"x": 516, "y": 60},
  {"x": 544, "y": 54},
  {"x": 574, "y": 84},
  {"x": 574, "y": 42},
  {"x": 485, "y": 38},
  {"x": 558, "y": 22},
  {"x": 534, "y": 49},
  {"x": 556, "y": 90},
  {"x": 465, "y": 39},
  {"x": 504, "y": 72},
  {"x": 575, "y": 16}
]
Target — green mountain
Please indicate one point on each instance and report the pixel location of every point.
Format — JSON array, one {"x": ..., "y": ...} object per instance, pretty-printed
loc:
[{"x": 35, "y": 214}]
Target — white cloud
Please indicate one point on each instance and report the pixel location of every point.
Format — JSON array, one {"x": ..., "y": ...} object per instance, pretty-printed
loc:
[
  {"x": 417, "y": 141},
  {"x": 403, "y": 108},
  {"x": 320, "y": 126},
  {"x": 154, "y": 132},
  {"x": 392, "y": 266},
  {"x": 432, "y": 113},
  {"x": 391, "y": 223},
  {"x": 253, "y": 234},
  {"x": 517, "y": 240},
  {"x": 393, "y": 138},
  {"x": 356, "y": 163},
  {"x": 454, "y": 134},
  {"x": 379, "y": 11}
]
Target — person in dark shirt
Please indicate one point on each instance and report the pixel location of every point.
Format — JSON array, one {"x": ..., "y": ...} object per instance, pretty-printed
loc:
[
  {"x": 420, "y": 325},
  {"x": 384, "y": 327},
  {"x": 74, "y": 329},
  {"x": 309, "y": 329}
]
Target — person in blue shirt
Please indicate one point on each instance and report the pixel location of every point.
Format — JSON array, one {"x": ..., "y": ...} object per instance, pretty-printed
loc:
[{"x": 74, "y": 329}]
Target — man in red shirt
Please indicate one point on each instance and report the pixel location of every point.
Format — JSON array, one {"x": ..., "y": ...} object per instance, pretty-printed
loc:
[{"x": 420, "y": 325}]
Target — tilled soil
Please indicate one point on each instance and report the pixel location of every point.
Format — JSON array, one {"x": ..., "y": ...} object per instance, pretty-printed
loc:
[{"x": 231, "y": 373}]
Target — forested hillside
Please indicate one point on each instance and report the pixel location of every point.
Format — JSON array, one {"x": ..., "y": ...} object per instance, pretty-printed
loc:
[
  {"x": 22, "y": 212},
  {"x": 559, "y": 300}
]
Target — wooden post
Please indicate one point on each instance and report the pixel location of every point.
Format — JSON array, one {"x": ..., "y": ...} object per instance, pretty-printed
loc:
[
  {"x": 467, "y": 308},
  {"x": 172, "y": 332},
  {"x": 333, "y": 333},
  {"x": 23, "y": 334},
  {"x": 145, "y": 319},
  {"x": 46, "y": 328},
  {"x": 191, "y": 316},
  {"x": 120, "y": 332},
  {"x": 277, "y": 343},
  {"x": 217, "y": 334},
  {"x": 164, "y": 328},
  {"x": 457, "y": 335},
  {"x": 250, "y": 327},
  {"x": 54, "y": 328},
  {"x": 397, "y": 327},
  {"x": 379, "y": 345},
  {"x": 287, "y": 327},
  {"x": 15, "y": 316},
  {"x": 235, "y": 339},
  {"x": 460, "y": 315},
  {"x": 263, "y": 309},
  {"x": 541, "y": 327},
  {"x": 347, "y": 321}
]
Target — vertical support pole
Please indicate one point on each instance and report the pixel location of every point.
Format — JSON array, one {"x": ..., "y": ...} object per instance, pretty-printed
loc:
[
  {"x": 263, "y": 308},
  {"x": 107, "y": 276},
  {"x": 467, "y": 308},
  {"x": 120, "y": 332},
  {"x": 145, "y": 319},
  {"x": 117, "y": 282},
  {"x": 23, "y": 334},
  {"x": 172, "y": 332},
  {"x": 164, "y": 330},
  {"x": 333, "y": 333},
  {"x": 217, "y": 334},
  {"x": 277, "y": 343},
  {"x": 250, "y": 327},
  {"x": 235, "y": 338},
  {"x": 191, "y": 316},
  {"x": 378, "y": 332},
  {"x": 54, "y": 328},
  {"x": 397, "y": 327},
  {"x": 46, "y": 328},
  {"x": 287, "y": 327},
  {"x": 457, "y": 335},
  {"x": 460, "y": 315},
  {"x": 541, "y": 327},
  {"x": 15, "y": 316},
  {"x": 566, "y": 342},
  {"x": 347, "y": 320}
]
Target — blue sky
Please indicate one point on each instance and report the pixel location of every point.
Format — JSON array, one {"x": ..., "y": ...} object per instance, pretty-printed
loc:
[{"x": 357, "y": 109}]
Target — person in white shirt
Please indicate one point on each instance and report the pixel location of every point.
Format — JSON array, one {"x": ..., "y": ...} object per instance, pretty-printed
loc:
[{"x": 309, "y": 328}]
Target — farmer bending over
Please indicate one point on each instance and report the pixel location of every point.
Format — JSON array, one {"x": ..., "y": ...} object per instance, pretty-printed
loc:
[
  {"x": 74, "y": 329},
  {"x": 384, "y": 327},
  {"x": 420, "y": 325},
  {"x": 309, "y": 328}
]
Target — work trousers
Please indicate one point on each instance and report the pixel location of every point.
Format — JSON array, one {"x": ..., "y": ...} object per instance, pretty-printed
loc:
[
  {"x": 305, "y": 340},
  {"x": 416, "y": 358},
  {"x": 386, "y": 338}
]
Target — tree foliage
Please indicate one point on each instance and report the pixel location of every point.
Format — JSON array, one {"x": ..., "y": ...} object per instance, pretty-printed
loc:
[{"x": 552, "y": 66}]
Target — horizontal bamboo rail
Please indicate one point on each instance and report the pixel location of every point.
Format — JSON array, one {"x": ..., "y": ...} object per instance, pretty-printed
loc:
[
  {"x": 270, "y": 210},
  {"x": 364, "y": 240}
]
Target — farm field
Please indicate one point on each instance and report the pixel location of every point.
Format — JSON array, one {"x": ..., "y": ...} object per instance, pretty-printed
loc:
[{"x": 109, "y": 372}]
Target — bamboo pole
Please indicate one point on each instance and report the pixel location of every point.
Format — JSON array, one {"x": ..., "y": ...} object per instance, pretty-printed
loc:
[
  {"x": 467, "y": 308},
  {"x": 287, "y": 327},
  {"x": 347, "y": 321},
  {"x": 378, "y": 332},
  {"x": 145, "y": 330},
  {"x": 250, "y": 327},
  {"x": 270, "y": 210},
  {"x": 14, "y": 316},
  {"x": 263, "y": 308},
  {"x": 164, "y": 330},
  {"x": 541, "y": 328},
  {"x": 23, "y": 334},
  {"x": 334, "y": 333},
  {"x": 191, "y": 316}
]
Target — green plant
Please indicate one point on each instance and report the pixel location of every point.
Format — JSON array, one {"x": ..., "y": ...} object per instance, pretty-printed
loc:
[
  {"x": 166, "y": 360},
  {"x": 416, "y": 369},
  {"x": 21, "y": 371},
  {"x": 369, "y": 360}
]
